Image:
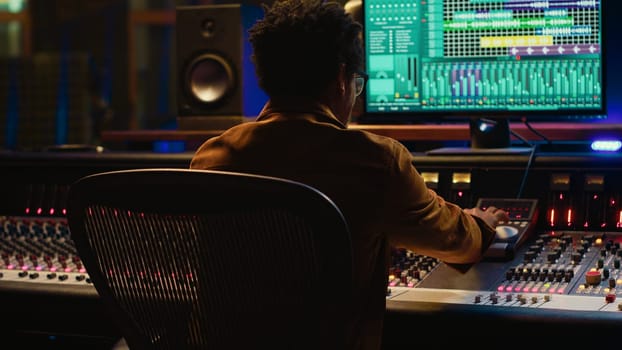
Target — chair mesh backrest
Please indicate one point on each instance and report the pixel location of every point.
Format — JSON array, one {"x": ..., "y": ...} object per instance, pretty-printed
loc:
[{"x": 205, "y": 259}]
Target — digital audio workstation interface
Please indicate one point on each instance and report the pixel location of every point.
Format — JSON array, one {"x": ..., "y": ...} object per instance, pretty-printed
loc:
[{"x": 483, "y": 55}]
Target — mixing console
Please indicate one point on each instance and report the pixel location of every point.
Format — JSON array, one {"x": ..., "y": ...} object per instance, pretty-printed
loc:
[
  {"x": 40, "y": 252},
  {"x": 554, "y": 263},
  {"x": 553, "y": 270},
  {"x": 565, "y": 270}
]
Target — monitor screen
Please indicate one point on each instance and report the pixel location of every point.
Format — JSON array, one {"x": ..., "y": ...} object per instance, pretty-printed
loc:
[{"x": 431, "y": 60}]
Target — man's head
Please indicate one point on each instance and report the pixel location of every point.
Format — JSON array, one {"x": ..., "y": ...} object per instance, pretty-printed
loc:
[{"x": 306, "y": 48}]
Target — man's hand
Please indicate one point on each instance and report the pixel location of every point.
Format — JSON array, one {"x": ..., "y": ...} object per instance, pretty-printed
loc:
[{"x": 492, "y": 215}]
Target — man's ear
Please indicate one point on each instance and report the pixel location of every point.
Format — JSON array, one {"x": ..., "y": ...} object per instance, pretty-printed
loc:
[{"x": 342, "y": 79}]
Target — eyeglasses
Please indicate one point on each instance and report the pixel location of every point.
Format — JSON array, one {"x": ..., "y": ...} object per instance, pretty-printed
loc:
[{"x": 360, "y": 78}]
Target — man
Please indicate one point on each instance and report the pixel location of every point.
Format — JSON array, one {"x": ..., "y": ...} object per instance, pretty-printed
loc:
[{"x": 307, "y": 56}]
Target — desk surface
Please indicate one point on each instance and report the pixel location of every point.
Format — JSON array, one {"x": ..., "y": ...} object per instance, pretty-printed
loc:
[{"x": 420, "y": 132}]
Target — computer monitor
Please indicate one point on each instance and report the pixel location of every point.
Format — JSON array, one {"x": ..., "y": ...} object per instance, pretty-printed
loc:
[{"x": 439, "y": 61}]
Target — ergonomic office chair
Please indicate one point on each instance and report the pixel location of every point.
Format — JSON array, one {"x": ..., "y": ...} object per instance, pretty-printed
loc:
[{"x": 188, "y": 259}]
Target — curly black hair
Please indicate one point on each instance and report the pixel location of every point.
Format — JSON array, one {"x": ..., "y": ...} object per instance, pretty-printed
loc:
[{"x": 299, "y": 45}]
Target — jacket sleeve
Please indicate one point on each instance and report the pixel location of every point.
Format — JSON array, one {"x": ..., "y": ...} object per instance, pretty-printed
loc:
[{"x": 424, "y": 222}]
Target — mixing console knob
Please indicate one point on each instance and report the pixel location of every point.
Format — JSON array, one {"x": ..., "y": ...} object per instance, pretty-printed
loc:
[
  {"x": 535, "y": 274},
  {"x": 530, "y": 255},
  {"x": 600, "y": 263},
  {"x": 612, "y": 283},
  {"x": 551, "y": 275},
  {"x": 616, "y": 263},
  {"x": 543, "y": 274},
  {"x": 508, "y": 298},
  {"x": 568, "y": 276},
  {"x": 592, "y": 278},
  {"x": 576, "y": 257},
  {"x": 478, "y": 299},
  {"x": 606, "y": 272}
]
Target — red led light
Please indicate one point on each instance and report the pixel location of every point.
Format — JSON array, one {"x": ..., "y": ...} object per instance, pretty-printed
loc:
[{"x": 552, "y": 217}]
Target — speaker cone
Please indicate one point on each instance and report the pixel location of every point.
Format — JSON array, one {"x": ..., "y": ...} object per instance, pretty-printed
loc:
[{"x": 210, "y": 78}]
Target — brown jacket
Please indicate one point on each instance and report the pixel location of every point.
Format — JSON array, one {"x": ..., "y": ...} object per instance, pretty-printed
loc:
[{"x": 372, "y": 180}]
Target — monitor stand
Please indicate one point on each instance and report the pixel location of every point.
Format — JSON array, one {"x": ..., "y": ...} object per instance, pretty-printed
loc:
[{"x": 489, "y": 136}]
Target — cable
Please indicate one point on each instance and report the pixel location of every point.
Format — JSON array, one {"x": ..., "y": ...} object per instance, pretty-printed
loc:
[
  {"x": 524, "y": 120},
  {"x": 532, "y": 154},
  {"x": 524, "y": 180},
  {"x": 524, "y": 140}
]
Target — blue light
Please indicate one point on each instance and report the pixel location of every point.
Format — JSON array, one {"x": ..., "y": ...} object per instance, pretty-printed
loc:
[
  {"x": 606, "y": 145},
  {"x": 169, "y": 146}
]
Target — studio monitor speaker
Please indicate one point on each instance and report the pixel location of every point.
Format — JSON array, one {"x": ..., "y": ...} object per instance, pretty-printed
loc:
[{"x": 217, "y": 83}]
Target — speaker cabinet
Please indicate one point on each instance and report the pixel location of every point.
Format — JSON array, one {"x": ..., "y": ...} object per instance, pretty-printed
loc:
[{"x": 217, "y": 83}]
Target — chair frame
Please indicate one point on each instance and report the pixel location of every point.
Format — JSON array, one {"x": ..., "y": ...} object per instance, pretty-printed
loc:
[{"x": 179, "y": 192}]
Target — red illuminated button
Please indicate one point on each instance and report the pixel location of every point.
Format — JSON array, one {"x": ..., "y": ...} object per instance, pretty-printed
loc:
[{"x": 592, "y": 278}]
